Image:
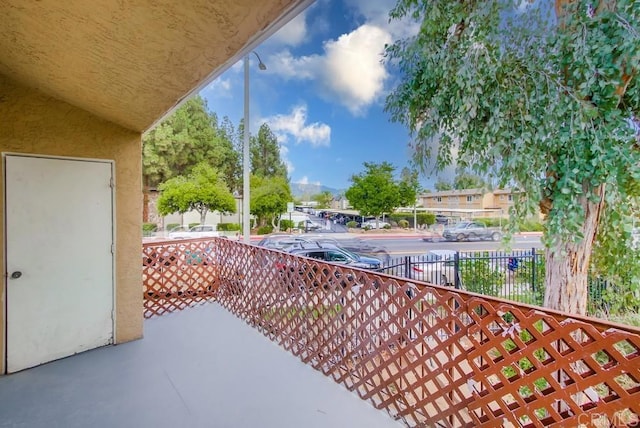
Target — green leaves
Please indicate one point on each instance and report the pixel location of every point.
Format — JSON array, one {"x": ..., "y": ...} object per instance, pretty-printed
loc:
[
  {"x": 541, "y": 101},
  {"x": 535, "y": 104},
  {"x": 375, "y": 191},
  {"x": 203, "y": 190},
  {"x": 190, "y": 136}
]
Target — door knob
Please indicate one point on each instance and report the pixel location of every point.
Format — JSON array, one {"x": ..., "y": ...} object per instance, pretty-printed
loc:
[{"x": 15, "y": 275}]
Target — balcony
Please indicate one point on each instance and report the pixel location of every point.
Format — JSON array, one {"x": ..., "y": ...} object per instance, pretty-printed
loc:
[
  {"x": 426, "y": 355},
  {"x": 197, "y": 368}
]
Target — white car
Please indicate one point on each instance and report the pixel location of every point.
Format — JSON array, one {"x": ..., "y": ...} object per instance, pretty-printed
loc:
[
  {"x": 199, "y": 231},
  {"x": 435, "y": 267},
  {"x": 372, "y": 224}
]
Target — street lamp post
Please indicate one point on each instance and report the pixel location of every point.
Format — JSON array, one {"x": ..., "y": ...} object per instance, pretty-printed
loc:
[{"x": 246, "y": 166}]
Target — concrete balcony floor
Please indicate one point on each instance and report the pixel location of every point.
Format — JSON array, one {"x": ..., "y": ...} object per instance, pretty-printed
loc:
[{"x": 201, "y": 367}]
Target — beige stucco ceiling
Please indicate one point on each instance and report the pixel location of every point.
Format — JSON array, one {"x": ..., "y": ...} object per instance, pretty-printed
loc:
[{"x": 131, "y": 61}]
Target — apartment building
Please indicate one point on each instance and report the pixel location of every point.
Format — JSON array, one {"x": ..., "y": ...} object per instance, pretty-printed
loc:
[{"x": 480, "y": 201}]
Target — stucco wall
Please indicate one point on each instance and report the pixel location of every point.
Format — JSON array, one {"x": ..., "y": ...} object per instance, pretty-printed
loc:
[{"x": 31, "y": 122}]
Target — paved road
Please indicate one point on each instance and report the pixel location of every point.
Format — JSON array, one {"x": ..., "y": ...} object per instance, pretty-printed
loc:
[{"x": 407, "y": 246}]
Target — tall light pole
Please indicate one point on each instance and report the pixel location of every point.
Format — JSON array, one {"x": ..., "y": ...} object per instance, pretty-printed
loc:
[{"x": 246, "y": 165}]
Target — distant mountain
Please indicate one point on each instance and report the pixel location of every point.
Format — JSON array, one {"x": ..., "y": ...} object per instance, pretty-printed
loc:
[{"x": 304, "y": 191}]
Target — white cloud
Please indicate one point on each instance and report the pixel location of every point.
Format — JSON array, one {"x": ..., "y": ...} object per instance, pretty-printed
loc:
[
  {"x": 219, "y": 88},
  {"x": 295, "y": 125},
  {"x": 292, "y": 34},
  {"x": 285, "y": 65},
  {"x": 353, "y": 67},
  {"x": 303, "y": 180},
  {"x": 349, "y": 71}
]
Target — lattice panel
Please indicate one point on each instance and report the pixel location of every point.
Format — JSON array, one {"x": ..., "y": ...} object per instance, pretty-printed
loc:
[
  {"x": 429, "y": 355},
  {"x": 432, "y": 356},
  {"x": 179, "y": 274}
]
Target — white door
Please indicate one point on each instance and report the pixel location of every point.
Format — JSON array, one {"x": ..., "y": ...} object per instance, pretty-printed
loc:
[{"x": 58, "y": 243}]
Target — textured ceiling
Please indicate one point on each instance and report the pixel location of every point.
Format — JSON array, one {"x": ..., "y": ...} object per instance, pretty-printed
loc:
[{"x": 131, "y": 61}]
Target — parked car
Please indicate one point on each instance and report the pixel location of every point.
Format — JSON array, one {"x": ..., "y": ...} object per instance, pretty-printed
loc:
[
  {"x": 435, "y": 267},
  {"x": 199, "y": 231},
  {"x": 334, "y": 254},
  {"x": 373, "y": 224},
  {"x": 471, "y": 230},
  {"x": 442, "y": 219}
]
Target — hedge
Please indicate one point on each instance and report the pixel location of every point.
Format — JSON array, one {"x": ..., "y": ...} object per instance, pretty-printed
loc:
[{"x": 228, "y": 227}]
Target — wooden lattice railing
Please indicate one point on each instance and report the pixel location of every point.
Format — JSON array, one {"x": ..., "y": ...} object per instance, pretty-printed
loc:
[
  {"x": 429, "y": 355},
  {"x": 178, "y": 274}
]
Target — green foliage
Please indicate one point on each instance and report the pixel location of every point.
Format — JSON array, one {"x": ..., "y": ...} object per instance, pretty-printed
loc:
[
  {"x": 229, "y": 227},
  {"x": 203, "y": 190},
  {"x": 403, "y": 224},
  {"x": 464, "y": 180},
  {"x": 426, "y": 219},
  {"x": 527, "y": 225},
  {"x": 149, "y": 228},
  {"x": 190, "y": 136},
  {"x": 190, "y": 225},
  {"x": 408, "y": 187},
  {"x": 375, "y": 191},
  {"x": 172, "y": 226},
  {"x": 323, "y": 199},
  {"x": 286, "y": 224},
  {"x": 442, "y": 185},
  {"x": 269, "y": 197},
  {"x": 265, "y": 230},
  {"x": 479, "y": 276},
  {"x": 352, "y": 224},
  {"x": 265, "y": 155},
  {"x": 535, "y": 102},
  {"x": 422, "y": 218}
]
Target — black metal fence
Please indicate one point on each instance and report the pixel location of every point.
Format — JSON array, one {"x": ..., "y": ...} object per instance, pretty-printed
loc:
[{"x": 517, "y": 275}]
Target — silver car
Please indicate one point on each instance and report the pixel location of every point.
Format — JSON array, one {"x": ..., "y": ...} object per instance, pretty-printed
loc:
[{"x": 435, "y": 267}]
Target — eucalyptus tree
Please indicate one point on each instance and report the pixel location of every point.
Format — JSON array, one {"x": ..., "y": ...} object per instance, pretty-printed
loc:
[{"x": 541, "y": 96}]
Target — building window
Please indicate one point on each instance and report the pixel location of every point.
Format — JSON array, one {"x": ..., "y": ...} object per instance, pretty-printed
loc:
[
  {"x": 502, "y": 197},
  {"x": 439, "y": 199},
  {"x": 510, "y": 198},
  {"x": 469, "y": 199}
]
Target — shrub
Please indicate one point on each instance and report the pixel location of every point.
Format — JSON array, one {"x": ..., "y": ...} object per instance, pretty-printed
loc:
[
  {"x": 286, "y": 224},
  {"x": 532, "y": 225},
  {"x": 425, "y": 219},
  {"x": 171, "y": 226},
  {"x": 403, "y": 224},
  {"x": 193, "y": 224},
  {"x": 491, "y": 221},
  {"x": 479, "y": 276},
  {"x": 386, "y": 226},
  {"x": 228, "y": 227},
  {"x": 265, "y": 230},
  {"x": 149, "y": 228},
  {"x": 352, "y": 224}
]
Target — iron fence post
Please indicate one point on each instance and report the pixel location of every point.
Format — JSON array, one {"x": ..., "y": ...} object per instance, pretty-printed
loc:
[
  {"x": 407, "y": 267},
  {"x": 534, "y": 267},
  {"x": 456, "y": 269}
]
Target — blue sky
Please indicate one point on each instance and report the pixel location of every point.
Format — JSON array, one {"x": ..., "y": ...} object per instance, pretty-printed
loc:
[{"x": 323, "y": 91}]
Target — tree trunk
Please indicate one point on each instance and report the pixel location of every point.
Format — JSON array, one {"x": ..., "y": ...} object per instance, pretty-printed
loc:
[
  {"x": 567, "y": 264},
  {"x": 203, "y": 215}
]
